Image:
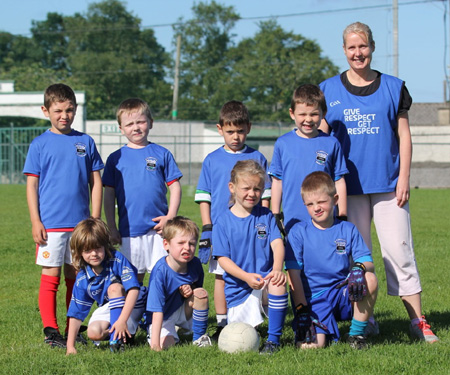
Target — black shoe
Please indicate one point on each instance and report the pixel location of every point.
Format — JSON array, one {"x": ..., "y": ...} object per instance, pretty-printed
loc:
[
  {"x": 79, "y": 339},
  {"x": 269, "y": 348},
  {"x": 358, "y": 342},
  {"x": 116, "y": 346},
  {"x": 215, "y": 336},
  {"x": 54, "y": 338}
]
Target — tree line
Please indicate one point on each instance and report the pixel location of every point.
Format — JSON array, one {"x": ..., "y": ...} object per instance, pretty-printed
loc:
[{"x": 108, "y": 54}]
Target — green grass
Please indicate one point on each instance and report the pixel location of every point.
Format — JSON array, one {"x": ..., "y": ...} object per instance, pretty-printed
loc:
[{"x": 22, "y": 350}]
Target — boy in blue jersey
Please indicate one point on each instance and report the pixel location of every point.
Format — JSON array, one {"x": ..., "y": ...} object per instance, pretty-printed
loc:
[
  {"x": 248, "y": 245},
  {"x": 176, "y": 295},
  {"x": 137, "y": 166},
  {"x": 104, "y": 276},
  {"x": 302, "y": 151},
  {"x": 63, "y": 172},
  {"x": 212, "y": 190},
  {"x": 319, "y": 255}
]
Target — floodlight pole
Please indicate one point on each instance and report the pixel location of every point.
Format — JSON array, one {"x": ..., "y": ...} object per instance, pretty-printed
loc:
[
  {"x": 395, "y": 35},
  {"x": 176, "y": 80}
]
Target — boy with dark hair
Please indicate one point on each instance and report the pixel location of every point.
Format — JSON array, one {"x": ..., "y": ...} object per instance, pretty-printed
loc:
[
  {"x": 302, "y": 151},
  {"x": 62, "y": 168},
  {"x": 212, "y": 190}
]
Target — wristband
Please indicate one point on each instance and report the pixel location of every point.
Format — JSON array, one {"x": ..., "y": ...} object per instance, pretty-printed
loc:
[
  {"x": 301, "y": 308},
  {"x": 359, "y": 265},
  {"x": 342, "y": 217},
  {"x": 207, "y": 228}
]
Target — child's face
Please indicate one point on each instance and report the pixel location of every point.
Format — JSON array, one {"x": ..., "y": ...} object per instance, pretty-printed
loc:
[
  {"x": 135, "y": 126},
  {"x": 307, "y": 119},
  {"x": 320, "y": 207},
  {"x": 61, "y": 116},
  {"x": 234, "y": 136},
  {"x": 181, "y": 248},
  {"x": 94, "y": 257},
  {"x": 247, "y": 191}
]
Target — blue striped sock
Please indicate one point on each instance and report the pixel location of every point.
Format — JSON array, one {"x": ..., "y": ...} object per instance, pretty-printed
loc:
[
  {"x": 199, "y": 323},
  {"x": 115, "y": 309},
  {"x": 277, "y": 313}
]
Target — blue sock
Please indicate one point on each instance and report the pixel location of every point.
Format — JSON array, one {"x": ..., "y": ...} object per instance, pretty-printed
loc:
[
  {"x": 115, "y": 309},
  {"x": 199, "y": 323},
  {"x": 357, "y": 328},
  {"x": 277, "y": 313}
]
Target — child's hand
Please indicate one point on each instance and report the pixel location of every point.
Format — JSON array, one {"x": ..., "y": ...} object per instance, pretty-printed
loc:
[
  {"x": 254, "y": 281},
  {"x": 161, "y": 220},
  {"x": 70, "y": 351},
  {"x": 277, "y": 278},
  {"x": 186, "y": 290},
  {"x": 39, "y": 233},
  {"x": 120, "y": 330},
  {"x": 156, "y": 348},
  {"x": 116, "y": 238}
]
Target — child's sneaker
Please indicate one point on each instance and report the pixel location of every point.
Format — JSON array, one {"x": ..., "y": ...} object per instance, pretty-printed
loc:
[
  {"x": 372, "y": 328},
  {"x": 116, "y": 346},
  {"x": 357, "y": 342},
  {"x": 54, "y": 338},
  {"x": 269, "y": 348},
  {"x": 202, "y": 341},
  {"x": 422, "y": 331}
]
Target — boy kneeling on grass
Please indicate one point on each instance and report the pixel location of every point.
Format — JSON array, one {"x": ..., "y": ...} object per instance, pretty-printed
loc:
[
  {"x": 176, "y": 295},
  {"x": 318, "y": 259},
  {"x": 104, "y": 276}
]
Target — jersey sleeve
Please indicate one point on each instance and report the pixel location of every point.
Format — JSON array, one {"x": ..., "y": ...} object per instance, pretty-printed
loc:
[
  {"x": 96, "y": 160},
  {"x": 340, "y": 167},
  {"x": 276, "y": 166},
  {"x": 294, "y": 249},
  {"x": 203, "y": 192},
  {"x": 108, "y": 178},
  {"x": 81, "y": 302},
  {"x": 171, "y": 170},
  {"x": 127, "y": 272},
  {"x": 156, "y": 294},
  {"x": 220, "y": 240},
  {"x": 32, "y": 162}
]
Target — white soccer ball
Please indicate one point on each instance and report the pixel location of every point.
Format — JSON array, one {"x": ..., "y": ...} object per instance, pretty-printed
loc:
[{"x": 238, "y": 337}]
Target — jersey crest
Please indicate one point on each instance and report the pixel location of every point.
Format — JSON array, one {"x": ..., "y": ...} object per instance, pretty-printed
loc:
[
  {"x": 81, "y": 149},
  {"x": 150, "y": 163},
  {"x": 261, "y": 231},
  {"x": 341, "y": 246}
]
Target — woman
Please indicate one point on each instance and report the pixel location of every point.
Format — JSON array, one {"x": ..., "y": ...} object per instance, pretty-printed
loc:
[{"x": 368, "y": 113}]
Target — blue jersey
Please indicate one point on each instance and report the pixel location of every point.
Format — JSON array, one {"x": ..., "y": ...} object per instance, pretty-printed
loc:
[
  {"x": 366, "y": 128},
  {"x": 90, "y": 288},
  {"x": 324, "y": 255},
  {"x": 164, "y": 295},
  {"x": 246, "y": 241},
  {"x": 63, "y": 163},
  {"x": 295, "y": 157},
  {"x": 215, "y": 175},
  {"x": 139, "y": 178}
]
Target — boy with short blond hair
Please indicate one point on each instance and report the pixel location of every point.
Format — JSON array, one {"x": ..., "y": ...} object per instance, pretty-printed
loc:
[
  {"x": 136, "y": 177},
  {"x": 302, "y": 151},
  {"x": 319, "y": 254},
  {"x": 176, "y": 294},
  {"x": 62, "y": 168},
  {"x": 212, "y": 190}
]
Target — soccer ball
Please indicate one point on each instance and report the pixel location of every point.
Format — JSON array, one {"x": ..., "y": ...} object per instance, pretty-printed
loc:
[{"x": 238, "y": 337}]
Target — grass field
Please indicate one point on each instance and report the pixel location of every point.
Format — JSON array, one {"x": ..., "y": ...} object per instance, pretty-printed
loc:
[{"x": 22, "y": 350}]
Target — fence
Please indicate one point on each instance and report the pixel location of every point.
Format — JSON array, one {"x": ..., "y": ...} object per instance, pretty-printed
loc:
[{"x": 190, "y": 142}]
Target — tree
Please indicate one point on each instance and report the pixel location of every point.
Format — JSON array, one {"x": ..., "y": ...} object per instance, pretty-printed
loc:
[
  {"x": 268, "y": 67},
  {"x": 206, "y": 40}
]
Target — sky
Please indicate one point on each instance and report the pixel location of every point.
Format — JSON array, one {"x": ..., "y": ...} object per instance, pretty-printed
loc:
[{"x": 423, "y": 46}]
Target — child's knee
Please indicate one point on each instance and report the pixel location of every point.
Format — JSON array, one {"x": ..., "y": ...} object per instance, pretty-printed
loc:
[
  {"x": 200, "y": 298},
  {"x": 372, "y": 282},
  {"x": 116, "y": 290},
  {"x": 98, "y": 331}
]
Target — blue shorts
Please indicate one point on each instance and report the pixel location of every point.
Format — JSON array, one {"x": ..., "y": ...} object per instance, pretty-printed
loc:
[{"x": 331, "y": 307}]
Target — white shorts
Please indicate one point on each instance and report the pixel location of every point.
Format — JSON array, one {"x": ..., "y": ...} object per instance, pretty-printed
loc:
[
  {"x": 169, "y": 326},
  {"x": 214, "y": 267},
  {"x": 251, "y": 311},
  {"x": 57, "y": 250},
  {"x": 103, "y": 313},
  {"x": 143, "y": 251},
  {"x": 393, "y": 226}
]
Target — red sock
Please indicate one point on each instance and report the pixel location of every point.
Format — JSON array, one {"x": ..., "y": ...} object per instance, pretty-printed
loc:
[
  {"x": 69, "y": 285},
  {"x": 47, "y": 300}
]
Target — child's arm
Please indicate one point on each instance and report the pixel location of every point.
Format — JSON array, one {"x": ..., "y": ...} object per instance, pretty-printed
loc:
[
  {"x": 110, "y": 213},
  {"x": 157, "y": 321},
  {"x": 174, "y": 205},
  {"x": 205, "y": 212},
  {"x": 120, "y": 326},
  {"x": 277, "y": 277},
  {"x": 277, "y": 190},
  {"x": 254, "y": 280},
  {"x": 96, "y": 194},
  {"x": 341, "y": 189},
  {"x": 37, "y": 228},
  {"x": 74, "y": 327}
]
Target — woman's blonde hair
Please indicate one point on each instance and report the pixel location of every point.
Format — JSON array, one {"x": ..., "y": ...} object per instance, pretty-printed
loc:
[
  {"x": 361, "y": 29},
  {"x": 89, "y": 234}
]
